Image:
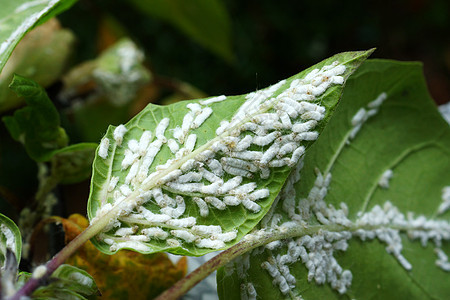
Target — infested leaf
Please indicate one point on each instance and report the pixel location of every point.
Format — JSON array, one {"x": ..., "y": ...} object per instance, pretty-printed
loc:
[
  {"x": 196, "y": 176},
  {"x": 368, "y": 212},
  {"x": 11, "y": 239},
  {"x": 125, "y": 275}
]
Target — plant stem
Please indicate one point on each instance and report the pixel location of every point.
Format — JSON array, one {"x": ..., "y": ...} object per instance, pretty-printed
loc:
[
  {"x": 249, "y": 242},
  {"x": 33, "y": 283}
]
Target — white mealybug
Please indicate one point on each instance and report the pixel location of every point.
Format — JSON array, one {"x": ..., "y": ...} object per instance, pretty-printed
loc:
[
  {"x": 155, "y": 232},
  {"x": 195, "y": 107},
  {"x": 151, "y": 217},
  {"x": 190, "y": 142},
  {"x": 286, "y": 148},
  {"x": 208, "y": 243},
  {"x": 212, "y": 188},
  {"x": 184, "y": 235},
  {"x": 247, "y": 155},
  {"x": 378, "y": 101},
  {"x": 231, "y": 200},
  {"x": 244, "y": 189},
  {"x": 238, "y": 163},
  {"x": 284, "y": 107},
  {"x": 269, "y": 154},
  {"x": 266, "y": 139},
  {"x": 202, "y": 206},
  {"x": 173, "y": 243},
  {"x": 125, "y": 231},
  {"x": 161, "y": 129},
  {"x": 285, "y": 120},
  {"x": 103, "y": 148},
  {"x": 230, "y": 184},
  {"x": 384, "y": 179},
  {"x": 204, "y": 114},
  {"x": 307, "y": 136},
  {"x": 250, "y": 205},
  {"x": 312, "y": 115},
  {"x": 129, "y": 158},
  {"x": 188, "y": 165},
  {"x": 272, "y": 270},
  {"x": 204, "y": 156},
  {"x": 223, "y": 126},
  {"x": 175, "y": 212},
  {"x": 237, "y": 171},
  {"x": 173, "y": 145},
  {"x": 118, "y": 134},
  {"x": 132, "y": 173},
  {"x": 206, "y": 229},
  {"x": 178, "y": 134},
  {"x": 133, "y": 145},
  {"x": 296, "y": 155},
  {"x": 187, "y": 122},
  {"x": 216, "y": 202},
  {"x": 215, "y": 166},
  {"x": 112, "y": 183},
  {"x": 225, "y": 237},
  {"x": 244, "y": 143},
  {"x": 144, "y": 141},
  {"x": 259, "y": 194},
  {"x": 190, "y": 177},
  {"x": 185, "y": 187},
  {"x": 125, "y": 190},
  {"x": 213, "y": 100},
  {"x": 276, "y": 163},
  {"x": 170, "y": 177},
  {"x": 185, "y": 222},
  {"x": 39, "y": 272},
  {"x": 304, "y": 126},
  {"x": 359, "y": 117}
]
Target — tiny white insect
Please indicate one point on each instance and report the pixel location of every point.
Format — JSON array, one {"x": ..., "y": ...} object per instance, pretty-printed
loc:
[
  {"x": 247, "y": 155},
  {"x": 284, "y": 107},
  {"x": 216, "y": 202},
  {"x": 185, "y": 187},
  {"x": 129, "y": 158},
  {"x": 378, "y": 101},
  {"x": 161, "y": 129},
  {"x": 195, "y": 107},
  {"x": 173, "y": 243},
  {"x": 238, "y": 163},
  {"x": 213, "y": 100},
  {"x": 103, "y": 148},
  {"x": 270, "y": 153},
  {"x": 184, "y": 235},
  {"x": 125, "y": 190},
  {"x": 206, "y": 230},
  {"x": 215, "y": 166},
  {"x": 201, "y": 118},
  {"x": 202, "y": 206},
  {"x": 190, "y": 177},
  {"x": 250, "y": 205},
  {"x": 133, "y": 145},
  {"x": 185, "y": 222},
  {"x": 237, "y": 171},
  {"x": 39, "y": 272},
  {"x": 312, "y": 115},
  {"x": 112, "y": 183},
  {"x": 151, "y": 217},
  {"x": 188, "y": 165},
  {"x": 304, "y": 126},
  {"x": 155, "y": 232},
  {"x": 208, "y": 243},
  {"x": 231, "y": 200},
  {"x": 178, "y": 134},
  {"x": 223, "y": 126},
  {"x": 118, "y": 134},
  {"x": 359, "y": 117},
  {"x": 144, "y": 141},
  {"x": 307, "y": 136},
  {"x": 173, "y": 145},
  {"x": 259, "y": 194},
  {"x": 385, "y": 178},
  {"x": 230, "y": 184},
  {"x": 190, "y": 142},
  {"x": 125, "y": 231},
  {"x": 187, "y": 122},
  {"x": 266, "y": 139},
  {"x": 211, "y": 188},
  {"x": 296, "y": 155},
  {"x": 132, "y": 173}
]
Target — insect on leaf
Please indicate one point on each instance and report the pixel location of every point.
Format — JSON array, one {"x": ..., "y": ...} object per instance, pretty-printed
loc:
[
  {"x": 196, "y": 176},
  {"x": 10, "y": 238},
  {"x": 369, "y": 211}
]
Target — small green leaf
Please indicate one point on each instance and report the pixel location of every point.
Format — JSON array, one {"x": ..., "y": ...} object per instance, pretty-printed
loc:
[
  {"x": 17, "y": 17},
  {"x": 369, "y": 212},
  {"x": 205, "y": 21},
  {"x": 37, "y": 125},
  {"x": 67, "y": 282},
  {"x": 196, "y": 176},
  {"x": 10, "y": 238},
  {"x": 73, "y": 163}
]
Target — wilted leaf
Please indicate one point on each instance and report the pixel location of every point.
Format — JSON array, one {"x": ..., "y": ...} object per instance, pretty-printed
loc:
[
  {"x": 125, "y": 275},
  {"x": 196, "y": 176},
  {"x": 379, "y": 227}
]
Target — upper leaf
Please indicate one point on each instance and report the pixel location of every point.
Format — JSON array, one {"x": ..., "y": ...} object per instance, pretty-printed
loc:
[
  {"x": 17, "y": 17},
  {"x": 37, "y": 125},
  {"x": 369, "y": 211},
  {"x": 196, "y": 176}
]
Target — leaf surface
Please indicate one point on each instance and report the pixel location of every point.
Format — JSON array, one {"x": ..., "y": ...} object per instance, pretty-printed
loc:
[
  {"x": 11, "y": 239},
  {"x": 378, "y": 226},
  {"x": 196, "y": 176},
  {"x": 18, "y": 17}
]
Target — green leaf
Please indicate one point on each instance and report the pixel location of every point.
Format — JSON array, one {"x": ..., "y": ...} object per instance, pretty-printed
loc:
[
  {"x": 67, "y": 282},
  {"x": 73, "y": 163},
  {"x": 381, "y": 227},
  {"x": 37, "y": 125},
  {"x": 137, "y": 186},
  {"x": 17, "y": 17},
  {"x": 10, "y": 238},
  {"x": 205, "y": 21}
]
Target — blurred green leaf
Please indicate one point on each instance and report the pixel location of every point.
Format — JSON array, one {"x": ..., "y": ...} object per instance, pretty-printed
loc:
[
  {"x": 42, "y": 56},
  {"x": 17, "y": 17},
  {"x": 205, "y": 21},
  {"x": 37, "y": 125}
]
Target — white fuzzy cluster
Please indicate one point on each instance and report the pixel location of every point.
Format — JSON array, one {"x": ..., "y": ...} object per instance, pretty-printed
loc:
[
  {"x": 266, "y": 132},
  {"x": 445, "y": 205},
  {"x": 383, "y": 182},
  {"x": 363, "y": 114},
  {"x": 240, "y": 266},
  {"x": 9, "y": 241}
]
